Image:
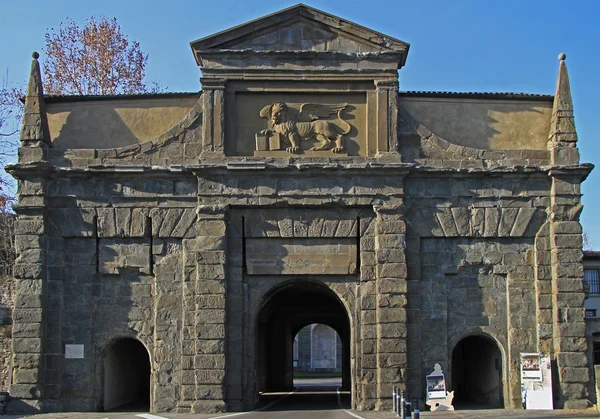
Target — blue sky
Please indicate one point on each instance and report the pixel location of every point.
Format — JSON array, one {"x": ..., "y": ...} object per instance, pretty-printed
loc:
[{"x": 460, "y": 45}]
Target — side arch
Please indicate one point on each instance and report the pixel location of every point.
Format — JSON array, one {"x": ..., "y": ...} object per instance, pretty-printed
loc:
[
  {"x": 126, "y": 375},
  {"x": 478, "y": 370}
]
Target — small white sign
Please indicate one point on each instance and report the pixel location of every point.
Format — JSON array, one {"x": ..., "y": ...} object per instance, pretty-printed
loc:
[{"x": 74, "y": 351}]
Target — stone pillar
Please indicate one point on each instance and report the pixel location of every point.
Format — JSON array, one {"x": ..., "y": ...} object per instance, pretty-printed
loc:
[
  {"x": 213, "y": 115},
  {"x": 387, "y": 112},
  {"x": 30, "y": 312},
  {"x": 391, "y": 290},
  {"x": 169, "y": 336},
  {"x": 30, "y": 315},
  {"x": 365, "y": 339},
  {"x": 568, "y": 315},
  {"x": 521, "y": 320},
  {"x": 238, "y": 392},
  {"x": 210, "y": 295}
]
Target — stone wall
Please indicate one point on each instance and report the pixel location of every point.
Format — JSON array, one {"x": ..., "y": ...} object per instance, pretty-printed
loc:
[{"x": 213, "y": 252}]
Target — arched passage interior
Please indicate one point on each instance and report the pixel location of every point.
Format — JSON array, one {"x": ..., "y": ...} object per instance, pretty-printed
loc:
[
  {"x": 127, "y": 376},
  {"x": 286, "y": 311},
  {"x": 477, "y": 372}
]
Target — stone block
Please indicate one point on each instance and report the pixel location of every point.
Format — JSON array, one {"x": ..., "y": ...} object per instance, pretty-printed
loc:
[
  {"x": 29, "y": 271},
  {"x": 206, "y": 346},
  {"x": 210, "y": 301},
  {"x": 392, "y": 270},
  {"x": 391, "y": 241},
  {"x": 206, "y": 406},
  {"x": 570, "y": 344},
  {"x": 394, "y": 330},
  {"x": 395, "y": 345},
  {"x": 27, "y": 345},
  {"x": 566, "y": 241},
  {"x": 25, "y": 391},
  {"x": 25, "y": 376},
  {"x": 119, "y": 255},
  {"x": 210, "y": 393},
  {"x": 210, "y": 331},
  {"x": 571, "y": 359},
  {"x": 207, "y": 286},
  {"x": 574, "y": 374},
  {"x": 211, "y": 376},
  {"x": 568, "y": 270},
  {"x": 204, "y": 244},
  {"x": 209, "y": 361},
  {"x": 28, "y": 315},
  {"x": 580, "y": 404},
  {"x": 27, "y": 361},
  {"x": 210, "y": 258}
]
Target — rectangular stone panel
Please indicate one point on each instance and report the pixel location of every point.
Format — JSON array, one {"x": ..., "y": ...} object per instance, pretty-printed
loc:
[
  {"x": 246, "y": 122},
  {"x": 301, "y": 256},
  {"x": 119, "y": 255}
]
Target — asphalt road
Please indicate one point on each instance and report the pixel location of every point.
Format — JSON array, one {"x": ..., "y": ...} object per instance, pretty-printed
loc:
[
  {"x": 312, "y": 399},
  {"x": 315, "y": 399}
]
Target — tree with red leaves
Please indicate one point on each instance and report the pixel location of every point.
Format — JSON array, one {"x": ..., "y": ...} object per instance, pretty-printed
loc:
[{"x": 94, "y": 59}]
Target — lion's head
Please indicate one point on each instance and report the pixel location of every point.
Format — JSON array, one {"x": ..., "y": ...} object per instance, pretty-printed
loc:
[{"x": 276, "y": 113}]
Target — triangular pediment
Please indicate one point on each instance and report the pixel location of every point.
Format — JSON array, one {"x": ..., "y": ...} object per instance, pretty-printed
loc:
[{"x": 300, "y": 28}]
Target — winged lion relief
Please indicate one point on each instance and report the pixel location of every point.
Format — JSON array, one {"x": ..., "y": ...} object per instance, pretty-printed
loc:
[{"x": 293, "y": 127}]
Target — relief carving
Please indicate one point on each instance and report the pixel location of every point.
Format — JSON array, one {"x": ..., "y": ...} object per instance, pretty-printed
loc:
[{"x": 292, "y": 127}]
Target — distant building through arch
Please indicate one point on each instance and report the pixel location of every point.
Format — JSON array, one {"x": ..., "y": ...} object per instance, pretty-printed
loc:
[{"x": 319, "y": 349}]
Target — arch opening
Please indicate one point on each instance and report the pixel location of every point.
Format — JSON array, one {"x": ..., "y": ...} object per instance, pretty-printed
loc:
[
  {"x": 477, "y": 372},
  {"x": 302, "y": 309},
  {"x": 317, "y": 352},
  {"x": 127, "y": 376}
]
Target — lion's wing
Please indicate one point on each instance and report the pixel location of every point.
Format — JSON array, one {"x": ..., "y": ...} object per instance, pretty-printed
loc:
[{"x": 314, "y": 111}]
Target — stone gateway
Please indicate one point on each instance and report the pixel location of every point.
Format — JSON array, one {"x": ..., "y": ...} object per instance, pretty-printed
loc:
[{"x": 171, "y": 246}]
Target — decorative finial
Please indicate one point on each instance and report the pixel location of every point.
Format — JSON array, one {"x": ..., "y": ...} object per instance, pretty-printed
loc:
[
  {"x": 35, "y": 55},
  {"x": 562, "y": 56}
]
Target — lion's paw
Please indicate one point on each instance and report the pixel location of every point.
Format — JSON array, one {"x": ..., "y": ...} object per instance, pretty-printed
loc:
[
  {"x": 293, "y": 150},
  {"x": 338, "y": 149}
]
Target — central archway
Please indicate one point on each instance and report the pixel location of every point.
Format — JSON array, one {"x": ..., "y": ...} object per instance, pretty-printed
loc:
[{"x": 285, "y": 311}]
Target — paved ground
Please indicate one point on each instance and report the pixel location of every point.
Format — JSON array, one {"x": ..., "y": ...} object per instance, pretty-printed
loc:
[{"x": 316, "y": 399}]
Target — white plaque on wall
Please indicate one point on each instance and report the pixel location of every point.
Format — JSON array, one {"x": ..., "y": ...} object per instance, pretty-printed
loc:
[{"x": 74, "y": 351}]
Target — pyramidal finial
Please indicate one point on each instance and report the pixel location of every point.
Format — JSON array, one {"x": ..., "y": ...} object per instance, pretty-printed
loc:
[
  {"x": 34, "y": 131},
  {"x": 563, "y": 135},
  {"x": 563, "y": 89}
]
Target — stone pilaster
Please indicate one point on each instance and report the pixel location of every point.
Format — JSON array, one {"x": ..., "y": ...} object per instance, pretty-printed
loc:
[
  {"x": 213, "y": 115},
  {"x": 568, "y": 322},
  {"x": 366, "y": 339},
  {"x": 387, "y": 112},
  {"x": 565, "y": 245},
  {"x": 209, "y": 324},
  {"x": 237, "y": 309},
  {"x": 31, "y": 242},
  {"x": 391, "y": 290},
  {"x": 169, "y": 335},
  {"x": 30, "y": 312}
]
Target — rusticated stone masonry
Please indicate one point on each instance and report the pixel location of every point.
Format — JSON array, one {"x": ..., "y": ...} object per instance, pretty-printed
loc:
[{"x": 301, "y": 187}]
